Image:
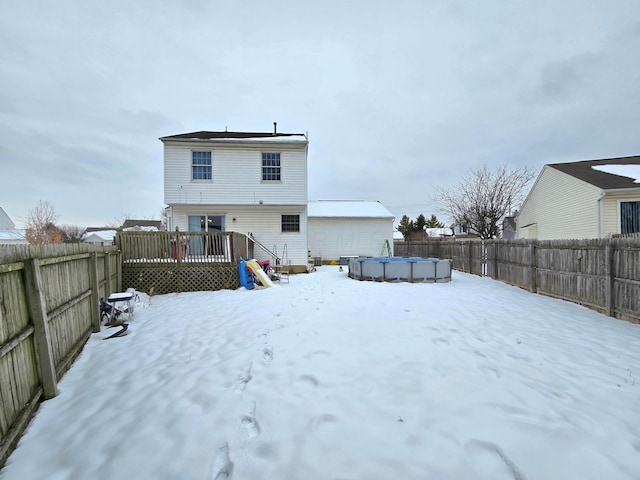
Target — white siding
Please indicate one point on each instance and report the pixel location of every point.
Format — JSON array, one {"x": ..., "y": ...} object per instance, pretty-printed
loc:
[
  {"x": 263, "y": 221},
  {"x": 331, "y": 238},
  {"x": 560, "y": 206},
  {"x": 237, "y": 175}
]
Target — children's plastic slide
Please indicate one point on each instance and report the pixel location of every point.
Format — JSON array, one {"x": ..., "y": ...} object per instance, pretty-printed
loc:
[{"x": 259, "y": 273}]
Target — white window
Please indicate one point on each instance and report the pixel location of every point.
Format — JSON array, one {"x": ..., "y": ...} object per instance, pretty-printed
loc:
[
  {"x": 270, "y": 167},
  {"x": 201, "y": 165}
]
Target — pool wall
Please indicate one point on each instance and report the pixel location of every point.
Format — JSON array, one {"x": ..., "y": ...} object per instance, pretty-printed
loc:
[{"x": 400, "y": 269}]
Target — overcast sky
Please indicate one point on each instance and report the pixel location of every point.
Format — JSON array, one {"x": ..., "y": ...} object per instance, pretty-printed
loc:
[{"x": 398, "y": 97}]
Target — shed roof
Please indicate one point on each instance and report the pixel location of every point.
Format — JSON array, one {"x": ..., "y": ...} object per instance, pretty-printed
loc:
[
  {"x": 596, "y": 176},
  {"x": 347, "y": 209}
]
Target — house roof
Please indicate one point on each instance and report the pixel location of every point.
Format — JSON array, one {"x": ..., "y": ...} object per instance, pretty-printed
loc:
[
  {"x": 596, "y": 176},
  {"x": 141, "y": 223},
  {"x": 347, "y": 209},
  {"x": 13, "y": 234},
  {"x": 238, "y": 136},
  {"x": 5, "y": 220}
]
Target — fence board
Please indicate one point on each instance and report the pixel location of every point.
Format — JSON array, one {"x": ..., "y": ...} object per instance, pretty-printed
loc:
[
  {"x": 603, "y": 274},
  {"x": 67, "y": 308}
]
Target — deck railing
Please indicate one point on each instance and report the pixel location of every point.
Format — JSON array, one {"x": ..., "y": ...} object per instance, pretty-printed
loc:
[
  {"x": 166, "y": 262},
  {"x": 182, "y": 247}
]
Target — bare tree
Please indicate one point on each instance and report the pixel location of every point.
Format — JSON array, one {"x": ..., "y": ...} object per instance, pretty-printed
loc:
[
  {"x": 484, "y": 197},
  {"x": 72, "y": 233},
  {"x": 41, "y": 224}
]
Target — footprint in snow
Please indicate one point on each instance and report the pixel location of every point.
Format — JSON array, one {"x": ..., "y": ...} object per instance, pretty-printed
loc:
[
  {"x": 267, "y": 355},
  {"x": 243, "y": 379},
  {"x": 250, "y": 423},
  {"x": 489, "y": 460},
  {"x": 222, "y": 466}
]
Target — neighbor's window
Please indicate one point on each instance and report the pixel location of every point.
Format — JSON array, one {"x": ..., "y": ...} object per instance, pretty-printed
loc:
[
  {"x": 201, "y": 165},
  {"x": 630, "y": 217},
  {"x": 270, "y": 166},
  {"x": 290, "y": 223}
]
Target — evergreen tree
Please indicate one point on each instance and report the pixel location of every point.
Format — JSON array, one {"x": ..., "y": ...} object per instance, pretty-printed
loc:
[
  {"x": 419, "y": 224},
  {"x": 406, "y": 226},
  {"x": 433, "y": 222}
]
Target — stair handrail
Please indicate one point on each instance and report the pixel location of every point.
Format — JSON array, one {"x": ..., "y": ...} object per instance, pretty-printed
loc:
[{"x": 264, "y": 248}]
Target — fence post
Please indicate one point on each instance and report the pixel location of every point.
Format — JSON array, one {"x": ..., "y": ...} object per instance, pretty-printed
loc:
[
  {"x": 609, "y": 259},
  {"x": 38, "y": 312},
  {"x": 119, "y": 270},
  {"x": 532, "y": 256},
  {"x": 107, "y": 275},
  {"x": 469, "y": 256},
  {"x": 95, "y": 294},
  {"x": 495, "y": 260}
]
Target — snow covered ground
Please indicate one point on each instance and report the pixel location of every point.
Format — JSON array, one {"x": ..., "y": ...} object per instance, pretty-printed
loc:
[{"x": 332, "y": 378}]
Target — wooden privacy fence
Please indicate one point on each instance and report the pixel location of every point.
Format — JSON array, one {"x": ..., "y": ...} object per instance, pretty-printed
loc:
[
  {"x": 166, "y": 262},
  {"x": 49, "y": 305},
  {"x": 603, "y": 274}
]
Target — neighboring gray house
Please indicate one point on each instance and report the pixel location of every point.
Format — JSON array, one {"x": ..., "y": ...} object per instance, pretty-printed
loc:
[
  {"x": 581, "y": 200},
  {"x": 342, "y": 228},
  {"x": 5, "y": 222},
  {"x": 9, "y": 234},
  {"x": 509, "y": 227}
]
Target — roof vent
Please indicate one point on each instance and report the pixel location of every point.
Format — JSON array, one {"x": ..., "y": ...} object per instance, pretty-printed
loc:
[{"x": 275, "y": 127}]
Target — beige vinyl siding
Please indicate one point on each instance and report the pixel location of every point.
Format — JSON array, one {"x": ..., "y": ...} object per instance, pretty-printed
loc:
[
  {"x": 561, "y": 207},
  {"x": 236, "y": 175},
  {"x": 263, "y": 221},
  {"x": 331, "y": 238}
]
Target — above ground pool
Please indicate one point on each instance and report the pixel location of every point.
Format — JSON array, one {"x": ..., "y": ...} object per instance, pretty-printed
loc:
[{"x": 399, "y": 269}]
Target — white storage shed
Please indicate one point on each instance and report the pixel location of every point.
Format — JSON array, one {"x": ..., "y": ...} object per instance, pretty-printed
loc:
[{"x": 346, "y": 228}]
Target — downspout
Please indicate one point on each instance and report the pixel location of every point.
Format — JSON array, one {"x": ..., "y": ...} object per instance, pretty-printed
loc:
[{"x": 602, "y": 194}]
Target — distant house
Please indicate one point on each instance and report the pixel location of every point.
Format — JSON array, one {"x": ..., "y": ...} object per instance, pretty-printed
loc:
[
  {"x": 509, "y": 227},
  {"x": 9, "y": 234},
  {"x": 581, "y": 200},
  {"x": 99, "y": 236},
  {"x": 141, "y": 226},
  {"x": 430, "y": 234},
  {"x": 5, "y": 222},
  {"x": 247, "y": 182},
  {"x": 14, "y": 236},
  {"x": 460, "y": 230},
  {"x": 342, "y": 228}
]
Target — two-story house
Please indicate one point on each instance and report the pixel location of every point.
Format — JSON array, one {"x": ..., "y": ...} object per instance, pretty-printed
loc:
[{"x": 251, "y": 183}]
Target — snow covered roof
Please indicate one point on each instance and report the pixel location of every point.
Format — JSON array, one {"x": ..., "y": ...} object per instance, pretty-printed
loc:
[
  {"x": 347, "y": 209},
  {"x": 13, "y": 235},
  {"x": 439, "y": 232},
  {"x": 105, "y": 235},
  {"x": 629, "y": 171},
  {"x": 143, "y": 225}
]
